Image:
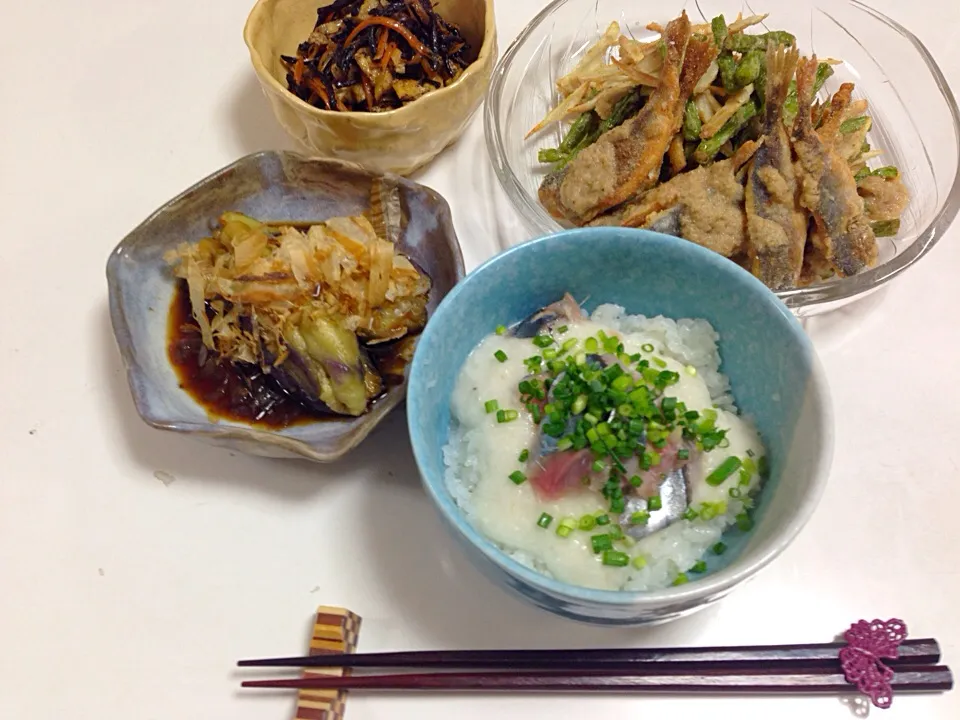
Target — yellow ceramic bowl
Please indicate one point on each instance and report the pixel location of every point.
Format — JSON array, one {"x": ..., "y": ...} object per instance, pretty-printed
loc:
[{"x": 397, "y": 141}]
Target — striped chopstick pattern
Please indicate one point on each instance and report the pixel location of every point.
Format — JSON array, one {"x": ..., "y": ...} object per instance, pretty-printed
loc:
[{"x": 336, "y": 630}]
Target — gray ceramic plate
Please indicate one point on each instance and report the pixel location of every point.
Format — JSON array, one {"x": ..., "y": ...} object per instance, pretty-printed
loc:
[{"x": 269, "y": 186}]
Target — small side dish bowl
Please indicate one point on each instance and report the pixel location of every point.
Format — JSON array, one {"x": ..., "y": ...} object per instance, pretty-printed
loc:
[
  {"x": 397, "y": 141},
  {"x": 774, "y": 372},
  {"x": 270, "y": 186},
  {"x": 916, "y": 122}
]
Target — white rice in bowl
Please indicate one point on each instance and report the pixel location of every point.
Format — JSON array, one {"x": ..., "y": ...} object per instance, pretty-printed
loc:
[{"x": 480, "y": 453}]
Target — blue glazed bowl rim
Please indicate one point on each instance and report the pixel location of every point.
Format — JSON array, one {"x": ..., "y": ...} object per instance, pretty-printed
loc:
[{"x": 715, "y": 583}]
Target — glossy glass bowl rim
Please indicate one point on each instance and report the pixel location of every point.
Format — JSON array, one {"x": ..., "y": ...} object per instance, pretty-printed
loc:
[{"x": 820, "y": 293}]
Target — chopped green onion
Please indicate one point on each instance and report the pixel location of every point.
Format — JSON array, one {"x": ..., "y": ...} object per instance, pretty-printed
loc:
[
  {"x": 734, "y": 492},
  {"x": 501, "y": 329},
  {"x": 587, "y": 523},
  {"x": 601, "y": 543},
  {"x": 545, "y": 520},
  {"x": 659, "y": 362},
  {"x": 622, "y": 383},
  {"x": 654, "y": 503},
  {"x": 681, "y": 579},
  {"x": 690, "y": 370},
  {"x": 598, "y": 466},
  {"x": 500, "y": 355},
  {"x": 542, "y": 341},
  {"x": 615, "y": 558},
  {"x": 549, "y": 354},
  {"x": 886, "y": 228},
  {"x": 744, "y": 522},
  {"x": 639, "y": 562},
  {"x": 640, "y": 518},
  {"x": 699, "y": 566},
  {"x": 690, "y": 514},
  {"x": 518, "y": 477},
  {"x": 647, "y": 348},
  {"x": 603, "y": 519},
  {"x": 579, "y": 405},
  {"x": 505, "y": 416},
  {"x": 636, "y": 481},
  {"x": 724, "y": 470},
  {"x": 491, "y": 406},
  {"x": 562, "y": 329},
  {"x": 683, "y": 454},
  {"x": 563, "y": 531},
  {"x": 565, "y": 443},
  {"x": 524, "y": 454},
  {"x": 569, "y": 345},
  {"x": 862, "y": 173},
  {"x": 719, "y": 548}
]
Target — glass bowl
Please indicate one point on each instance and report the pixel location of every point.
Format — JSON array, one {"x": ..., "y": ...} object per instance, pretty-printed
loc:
[{"x": 916, "y": 121}]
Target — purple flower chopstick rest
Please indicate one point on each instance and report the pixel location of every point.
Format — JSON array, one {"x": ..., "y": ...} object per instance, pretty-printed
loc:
[{"x": 868, "y": 643}]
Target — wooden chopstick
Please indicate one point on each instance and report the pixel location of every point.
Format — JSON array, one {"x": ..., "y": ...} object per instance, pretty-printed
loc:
[
  {"x": 924, "y": 651},
  {"x": 906, "y": 678}
]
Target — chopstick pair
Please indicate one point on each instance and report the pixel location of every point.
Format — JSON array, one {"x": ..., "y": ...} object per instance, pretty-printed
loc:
[{"x": 875, "y": 658}]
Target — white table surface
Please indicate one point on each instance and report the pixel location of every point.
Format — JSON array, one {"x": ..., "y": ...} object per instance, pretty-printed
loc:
[{"x": 122, "y": 597}]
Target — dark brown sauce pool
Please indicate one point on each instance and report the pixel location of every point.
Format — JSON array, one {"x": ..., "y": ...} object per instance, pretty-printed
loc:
[{"x": 241, "y": 392}]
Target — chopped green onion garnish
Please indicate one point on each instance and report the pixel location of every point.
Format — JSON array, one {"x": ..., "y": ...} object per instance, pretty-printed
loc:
[
  {"x": 524, "y": 454},
  {"x": 542, "y": 341},
  {"x": 603, "y": 519},
  {"x": 690, "y": 514},
  {"x": 640, "y": 518},
  {"x": 590, "y": 345},
  {"x": 587, "y": 523},
  {"x": 579, "y": 405},
  {"x": 598, "y": 466},
  {"x": 491, "y": 406},
  {"x": 636, "y": 481},
  {"x": 734, "y": 492},
  {"x": 615, "y": 558},
  {"x": 569, "y": 345},
  {"x": 654, "y": 503},
  {"x": 505, "y": 416},
  {"x": 639, "y": 562},
  {"x": 563, "y": 531},
  {"x": 565, "y": 443},
  {"x": 518, "y": 477},
  {"x": 699, "y": 566},
  {"x": 601, "y": 543},
  {"x": 659, "y": 362},
  {"x": 886, "y": 172},
  {"x": 562, "y": 329},
  {"x": 683, "y": 454},
  {"x": 719, "y": 548},
  {"x": 744, "y": 522},
  {"x": 501, "y": 329},
  {"x": 545, "y": 520},
  {"x": 500, "y": 355},
  {"x": 681, "y": 579},
  {"x": 549, "y": 354},
  {"x": 647, "y": 348},
  {"x": 690, "y": 370},
  {"x": 724, "y": 470}
]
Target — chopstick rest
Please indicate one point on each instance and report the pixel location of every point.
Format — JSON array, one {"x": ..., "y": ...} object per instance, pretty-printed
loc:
[
  {"x": 868, "y": 644},
  {"x": 336, "y": 631}
]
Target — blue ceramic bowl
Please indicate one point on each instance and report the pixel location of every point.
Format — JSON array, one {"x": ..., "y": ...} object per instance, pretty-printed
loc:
[{"x": 775, "y": 375}]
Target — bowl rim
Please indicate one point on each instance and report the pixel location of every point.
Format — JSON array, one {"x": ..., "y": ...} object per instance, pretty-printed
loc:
[
  {"x": 137, "y": 375},
  {"x": 700, "y": 590},
  {"x": 797, "y": 299},
  {"x": 488, "y": 49}
]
